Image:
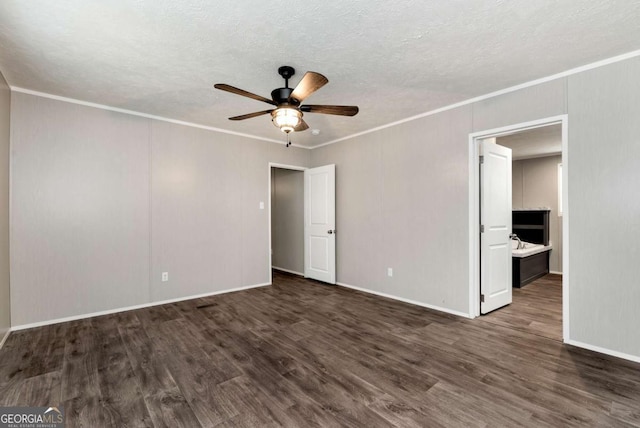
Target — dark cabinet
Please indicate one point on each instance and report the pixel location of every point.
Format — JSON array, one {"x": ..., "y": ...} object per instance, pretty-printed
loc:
[
  {"x": 531, "y": 225},
  {"x": 528, "y": 269}
]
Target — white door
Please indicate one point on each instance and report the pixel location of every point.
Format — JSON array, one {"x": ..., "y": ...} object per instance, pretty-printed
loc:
[
  {"x": 495, "y": 220},
  {"x": 320, "y": 223}
]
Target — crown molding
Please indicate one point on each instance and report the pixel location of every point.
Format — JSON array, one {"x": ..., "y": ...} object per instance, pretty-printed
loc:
[
  {"x": 145, "y": 115},
  {"x": 518, "y": 87},
  {"x": 535, "y": 82}
]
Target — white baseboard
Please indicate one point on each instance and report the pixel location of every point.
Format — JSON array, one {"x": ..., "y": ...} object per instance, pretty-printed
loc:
[
  {"x": 402, "y": 299},
  {"x": 287, "y": 270},
  {"x": 4, "y": 339},
  {"x": 555, "y": 272},
  {"x": 634, "y": 358},
  {"x": 131, "y": 308}
]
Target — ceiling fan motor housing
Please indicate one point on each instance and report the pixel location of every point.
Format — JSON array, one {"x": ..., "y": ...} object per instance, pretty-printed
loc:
[{"x": 281, "y": 96}]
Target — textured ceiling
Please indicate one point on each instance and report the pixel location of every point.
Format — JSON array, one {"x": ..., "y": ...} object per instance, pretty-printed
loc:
[
  {"x": 534, "y": 143},
  {"x": 393, "y": 59}
]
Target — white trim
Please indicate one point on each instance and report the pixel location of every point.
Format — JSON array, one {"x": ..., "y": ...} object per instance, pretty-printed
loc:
[
  {"x": 560, "y": 180},
  {"x": 402, "y": 299},
  {"x": 284, "y": 166},
  {"x": 401, "y": 121},
  {"x": 528, "y": 84},
  {"x": 474, "y": 210},
  {"x": 270, "y": 249},
  {"x": 555, "y": 272},
  {"x": 543, "y": 155},
  {"x": 4, "y": 339},
  {"x": 287, "y": 270},
  {"x": 145, "y": 115},
  {"x": 565, "y": 230},
  {"x": 474, "y": 227},
  {"x": 11, "y": 249},
  {"x": 634, "y": 358},
  {"x": 131, "y": 308}
]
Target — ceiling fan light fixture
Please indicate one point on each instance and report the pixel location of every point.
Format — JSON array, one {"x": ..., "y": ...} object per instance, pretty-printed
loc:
[
  {"x": 287, "y": 114},
  {"x": 286, "y": 118}
]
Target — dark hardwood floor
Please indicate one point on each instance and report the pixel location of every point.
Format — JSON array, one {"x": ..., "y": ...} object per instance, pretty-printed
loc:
[
  {"x": 536, "y": 308},
  {"x": 303, "y": 354}
]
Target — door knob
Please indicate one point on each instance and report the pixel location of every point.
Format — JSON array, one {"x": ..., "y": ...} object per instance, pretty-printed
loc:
[{"x": 331, "y": 232}]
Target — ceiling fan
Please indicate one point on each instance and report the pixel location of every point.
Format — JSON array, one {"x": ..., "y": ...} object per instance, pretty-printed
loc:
[{"x": 288, "y": 111}]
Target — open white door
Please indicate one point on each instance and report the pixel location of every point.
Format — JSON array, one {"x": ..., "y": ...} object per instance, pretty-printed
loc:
[
  {"x": 495, "y": 229},
  {"x": 320, "y": 223}
]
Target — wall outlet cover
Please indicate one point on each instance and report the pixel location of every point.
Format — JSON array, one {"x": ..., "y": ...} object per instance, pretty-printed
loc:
[{"x": 165, "y": 276}]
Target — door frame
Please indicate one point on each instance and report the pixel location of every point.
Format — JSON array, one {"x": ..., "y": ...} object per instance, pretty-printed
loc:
[
  {"x": 474, "y": 210},
  {"x": 281, "y": 166}
]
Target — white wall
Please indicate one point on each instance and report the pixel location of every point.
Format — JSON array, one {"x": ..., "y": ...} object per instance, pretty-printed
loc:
[
  {"x": 103, "y": 202},
  {"x": 5, "y": 117},
  {"x": 535, "y": 184},
  {"x": 604, "y": 203},
  {"x": 287, "y": 219}
]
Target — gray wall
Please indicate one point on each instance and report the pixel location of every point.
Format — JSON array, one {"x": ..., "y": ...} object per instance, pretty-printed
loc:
[
  {"x": 535, "y": 184},
  {"x": 80, "y": 210},
  {"x": 287, "y": 219},
  {"x": 103, "y": 203},
  {"x": 5, "y": 118},
  {"x": 604, "y": 203},
  {"x": 89, "y": 185},
  {"x": 403, "y": 197},
  {"x": 402, "y": 201}
]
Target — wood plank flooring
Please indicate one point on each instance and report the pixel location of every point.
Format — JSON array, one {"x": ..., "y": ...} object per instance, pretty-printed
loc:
[
  {"x": 303, "y": 354},
  {"x": 536, "y": 308}
]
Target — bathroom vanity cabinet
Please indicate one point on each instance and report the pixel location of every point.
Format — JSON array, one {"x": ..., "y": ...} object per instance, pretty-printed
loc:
[
  {"x": 528, "y": 269},
  {"x": 531, "y": 225}
]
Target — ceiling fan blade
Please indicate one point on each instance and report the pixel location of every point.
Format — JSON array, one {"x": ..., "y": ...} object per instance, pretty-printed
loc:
[
  {"x": 338, "y": 110},
  {"x": 242, "y": 92},
  {"x": 250, "y": 115},
  {"x": 311, "y": 82},
  {"x": 301, "y": 126}
]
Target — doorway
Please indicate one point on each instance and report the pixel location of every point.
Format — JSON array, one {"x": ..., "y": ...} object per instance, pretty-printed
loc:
[
  {"x": 286, "y": 218},
  {"x": 302, "y": 232},
  {"x": 540, "y": 162}
]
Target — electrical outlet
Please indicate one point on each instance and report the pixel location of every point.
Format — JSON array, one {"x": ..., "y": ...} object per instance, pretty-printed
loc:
[
  {"x": 261, "y": 205},
  {"x": 389, "y": 272},
  {"x": 165, "y": 276}
]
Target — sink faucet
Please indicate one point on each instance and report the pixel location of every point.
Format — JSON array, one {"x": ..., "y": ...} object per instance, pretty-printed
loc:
[{"x": 520, "y": 244}]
